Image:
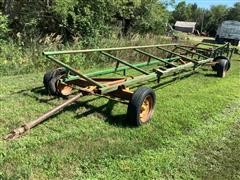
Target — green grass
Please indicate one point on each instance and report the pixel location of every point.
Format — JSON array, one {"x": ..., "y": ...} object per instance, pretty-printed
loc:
[{"x": 194, "y": 133}]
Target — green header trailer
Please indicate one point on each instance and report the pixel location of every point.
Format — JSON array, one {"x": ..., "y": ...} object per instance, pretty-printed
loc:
[{"x": 175, "y": 60}]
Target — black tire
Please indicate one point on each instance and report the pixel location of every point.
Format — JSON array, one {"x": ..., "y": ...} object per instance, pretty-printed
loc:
[
  {"x": 140, "y": 96},
  {"x": 222, "y": 67},
  {"x": 218, "y": 59},
  {"x": 51, "y": 78},
  {"x": 47, "y": 77},
  {"x": 52, "y": 86},
  {"x": 235, "y": 42}
]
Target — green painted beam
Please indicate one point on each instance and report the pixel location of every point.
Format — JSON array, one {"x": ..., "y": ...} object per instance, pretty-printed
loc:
[
  {"x": 121, "y": 68},
  {"x": 179, "y": 47},
  {"x": 125, "y": 62},
  {"x": 104, "y": 49},
  {"x": 75, "y": 72},
  {"x": 154, "y": 57},
  {"x": 185, "y": 57},
  {"x": 152, "y": 76},
  {"x": 130, "y": 82},
  {"x": 207, "y": 44},
  {"x": 221, "y": 47},
  {"x": 184, "y": 66}
]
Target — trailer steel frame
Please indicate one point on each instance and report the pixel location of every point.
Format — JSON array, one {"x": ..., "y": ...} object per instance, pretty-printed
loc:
[{"x": 178, "y": 59}]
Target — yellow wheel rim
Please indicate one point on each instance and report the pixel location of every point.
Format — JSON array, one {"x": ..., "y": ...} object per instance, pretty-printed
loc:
[
  {"x": 146, "y": 109},
  {"x": 64, "y": 89}
]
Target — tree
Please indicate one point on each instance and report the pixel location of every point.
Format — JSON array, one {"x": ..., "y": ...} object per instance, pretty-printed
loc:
[
  {"x": 83, "y": 18},
  {"x": 7, "y": 6},
  {"x": 153, "y": 18},
  {"x": 216, "y": 16},
  {"x": 181, "y": 12},
  {"x": 141, "y": 16},
  {"x": 234, "y": 12},
  {"x": 3, "y": 27}
]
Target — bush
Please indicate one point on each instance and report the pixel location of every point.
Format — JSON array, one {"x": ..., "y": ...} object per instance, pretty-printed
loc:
[
  {"x": 18, "y": 59},
  {"x": 3, "y": 27}
]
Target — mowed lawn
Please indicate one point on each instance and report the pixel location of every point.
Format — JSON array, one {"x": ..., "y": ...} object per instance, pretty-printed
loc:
[{"x": 194, "y": 133}]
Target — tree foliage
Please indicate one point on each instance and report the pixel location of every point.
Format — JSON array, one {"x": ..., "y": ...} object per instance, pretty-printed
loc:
[
  {"x": 216, "y": 15},
  {"x": 83, "y": 18},
  {"x": 3, "y": 26},
  {"x": 234, "y": 12},
  {"x": 89, "y": 20}
]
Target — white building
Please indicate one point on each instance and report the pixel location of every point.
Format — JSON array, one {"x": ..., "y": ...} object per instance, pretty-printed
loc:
[{"x": 185, "y": 26}]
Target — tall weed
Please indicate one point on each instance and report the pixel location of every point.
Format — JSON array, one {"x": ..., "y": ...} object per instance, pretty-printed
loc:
[{"x": 19, "y": 58}]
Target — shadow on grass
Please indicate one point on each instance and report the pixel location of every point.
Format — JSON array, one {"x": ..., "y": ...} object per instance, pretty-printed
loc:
[
  {"x": 104, "y": 110},
  {"x": 172, "y": 80},
  {"x": 23, "y": 91},
  {"x": 41, "y": 96},
  {"x": 211, "y": 75},
  {"x": 37, "y": 93}
]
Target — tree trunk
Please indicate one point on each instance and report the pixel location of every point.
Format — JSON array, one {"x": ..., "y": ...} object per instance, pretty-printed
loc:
[
  {"x": 48, "y": 2},
  {"x": 7, "y": 5},
  {"x": 126, "y": 24}
]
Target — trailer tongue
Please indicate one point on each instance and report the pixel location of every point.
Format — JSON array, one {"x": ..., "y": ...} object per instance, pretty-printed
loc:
[{"x": 178, "y": 59}]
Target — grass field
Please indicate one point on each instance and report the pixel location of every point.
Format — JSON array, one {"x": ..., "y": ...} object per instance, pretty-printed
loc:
[{"x": 194, "y": 133}]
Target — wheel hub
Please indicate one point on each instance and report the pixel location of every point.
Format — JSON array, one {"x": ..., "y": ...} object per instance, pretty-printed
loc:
[
  {"x": 64, "y": 89},
  {"x": 146, "y": 109}
]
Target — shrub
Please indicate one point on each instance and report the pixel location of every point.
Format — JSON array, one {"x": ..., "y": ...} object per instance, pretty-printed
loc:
[{"x": 3, "y": 27}]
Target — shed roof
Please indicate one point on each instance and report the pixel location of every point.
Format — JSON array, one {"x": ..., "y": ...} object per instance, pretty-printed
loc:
[{"x": 185, "y": 24}]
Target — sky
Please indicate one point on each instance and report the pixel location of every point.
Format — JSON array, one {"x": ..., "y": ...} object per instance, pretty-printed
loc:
[{"x": 208, "y": 3}]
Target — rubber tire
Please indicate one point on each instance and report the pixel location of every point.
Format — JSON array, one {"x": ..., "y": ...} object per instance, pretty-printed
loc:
[
  {"x": 235, "y": 42},
  {"x": 134, "y": 106},
  {"x": 52, "y": 86},
  {"x": 46, "y": 78},
  {"x": 219, "y": 58},
  {"x": 50, "y": 80},
  {"x": 222, "y": 67}
]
